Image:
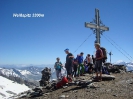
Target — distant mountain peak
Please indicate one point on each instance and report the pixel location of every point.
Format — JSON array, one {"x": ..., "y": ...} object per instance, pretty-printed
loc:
[{"x": 120, "y": 62}]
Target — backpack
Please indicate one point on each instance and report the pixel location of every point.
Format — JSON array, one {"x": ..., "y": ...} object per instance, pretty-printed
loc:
[
  {"x": 105, "y": 71},
  {"x": 104, "y": 54},
  {"x": 58, "y": 67}
]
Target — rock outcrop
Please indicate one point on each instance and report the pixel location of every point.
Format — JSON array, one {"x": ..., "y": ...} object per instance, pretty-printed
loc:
[{"x": 46, "y": 74}]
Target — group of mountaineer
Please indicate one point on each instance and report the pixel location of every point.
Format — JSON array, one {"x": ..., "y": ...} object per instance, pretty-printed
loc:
[{"x": 77, "y": 66}]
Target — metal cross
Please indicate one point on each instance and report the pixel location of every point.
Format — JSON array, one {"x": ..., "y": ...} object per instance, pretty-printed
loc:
[{"x": 96, "y": 27}]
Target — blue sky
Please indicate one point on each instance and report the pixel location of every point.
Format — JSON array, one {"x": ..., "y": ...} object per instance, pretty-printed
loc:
[{"x": 41, "y": 40}]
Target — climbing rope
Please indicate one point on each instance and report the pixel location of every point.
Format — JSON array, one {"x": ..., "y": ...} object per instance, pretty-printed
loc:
[
  {"x": 116, "y": 48},
  {"x": 82, "y": 43},
  {"x": 119, "y": 47}
]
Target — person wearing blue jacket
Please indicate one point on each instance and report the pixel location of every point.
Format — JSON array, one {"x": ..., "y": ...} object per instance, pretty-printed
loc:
[{"x": 80, "y": 60}]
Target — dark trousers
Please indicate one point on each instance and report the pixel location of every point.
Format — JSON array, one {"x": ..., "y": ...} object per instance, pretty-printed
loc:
[
  {"x": 90, "y": 69},
  {"x": 75, "y": 70}
]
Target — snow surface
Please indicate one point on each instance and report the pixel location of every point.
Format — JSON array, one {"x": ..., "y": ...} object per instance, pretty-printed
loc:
[
  {"x": 24, "y": 72},
  {"x": 8, "y": 72},
  {"x": 8, "y": 85}
]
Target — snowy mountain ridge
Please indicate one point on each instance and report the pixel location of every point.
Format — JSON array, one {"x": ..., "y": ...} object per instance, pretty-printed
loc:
[
  {"x": 24, "y": 73},
  {"x": 11, "y": 72},
  {"x": 123, "y": 62},
  {"x": 8, "y": 88}
]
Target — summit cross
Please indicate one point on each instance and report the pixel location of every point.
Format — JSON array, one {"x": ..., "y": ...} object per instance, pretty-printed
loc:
[{"x": 97, "y": 26}]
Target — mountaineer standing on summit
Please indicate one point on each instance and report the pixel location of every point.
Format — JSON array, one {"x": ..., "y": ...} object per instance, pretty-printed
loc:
[
  {"x": 98, "y": 62},
  {"x": 69, "y": 64},
  {"x": 58, "y": 65},
  {"x": 81, "y": 64}
]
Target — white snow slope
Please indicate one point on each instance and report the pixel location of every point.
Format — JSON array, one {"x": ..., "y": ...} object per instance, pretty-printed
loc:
[
  {"x": 9, "y": 88},
  {"x": 8, "y": 72}
]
